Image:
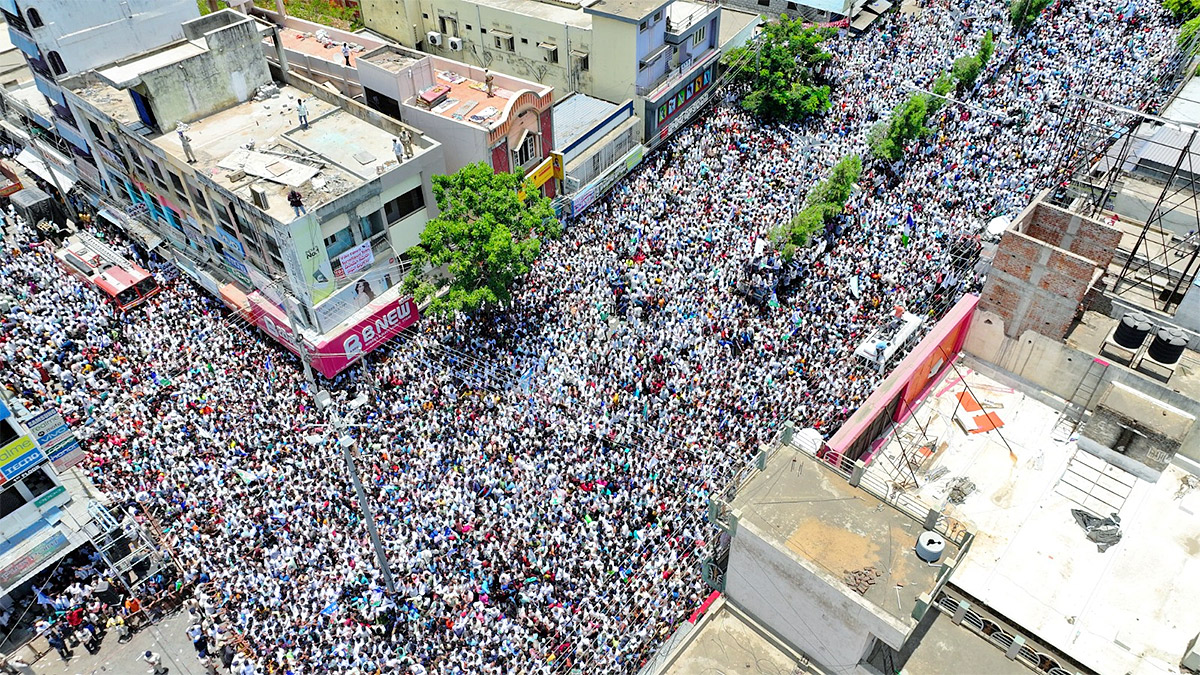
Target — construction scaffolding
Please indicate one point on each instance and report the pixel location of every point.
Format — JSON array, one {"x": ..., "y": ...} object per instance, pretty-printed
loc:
[
  {"x": 1140, "y": 171},
  {"x": 128, "y": 549}
]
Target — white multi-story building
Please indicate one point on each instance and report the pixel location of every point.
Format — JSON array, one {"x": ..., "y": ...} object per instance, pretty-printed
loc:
[
  {"x": 62, "y": 38},
  {"x": 332, "y": 265}
]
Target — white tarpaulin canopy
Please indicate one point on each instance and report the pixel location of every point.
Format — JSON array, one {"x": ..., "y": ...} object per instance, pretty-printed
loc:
[{"x": 43, "y": 170}]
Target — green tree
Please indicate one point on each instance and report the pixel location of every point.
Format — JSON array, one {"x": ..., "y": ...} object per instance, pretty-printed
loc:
[
  {"x": 824, "y": 202},
  {"x": 1187, "y": 33},
  {"x": 779, "y": 71},
  {"x": 987, "y": 47},
  {"x": 486, "y": 236},
  {"x": 888, "y": 139},
  {"x": 966, "y": 70},
  {"x": 942, "y": 86},
  {"x": 1182, "y": 9},
  {"x": 1024, "y": 12}
]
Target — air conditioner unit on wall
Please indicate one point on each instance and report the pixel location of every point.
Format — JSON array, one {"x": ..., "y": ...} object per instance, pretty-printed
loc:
[
  {"x": 434, "y": 38},
  {"x": 455, "y": 44}
]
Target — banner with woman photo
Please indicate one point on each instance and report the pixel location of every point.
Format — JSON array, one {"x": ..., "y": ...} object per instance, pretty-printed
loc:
[{"x": 356, "y": 295}]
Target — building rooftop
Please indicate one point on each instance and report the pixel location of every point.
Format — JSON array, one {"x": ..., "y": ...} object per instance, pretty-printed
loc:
[
  {"x": 309, "y": 44},
  {"x": 1127, "y": 610},
  {"x": 576, "y": 114},
  {"x": 734, "y": 22},
  {"x": 337, "y": 153},
  {"x": 728, "y": 641},
  {"x": 392, "y": 59},
  {"x": 129, "y": 72},
  {"x": 467, "y": 99},
  {"x": 1088, "y": 335},
  {"x": 634, "y": 10},
  {"x": 567, "y": 16},
  {"x": 942, "y": 647},
  {"x": 803, "y": 506}
]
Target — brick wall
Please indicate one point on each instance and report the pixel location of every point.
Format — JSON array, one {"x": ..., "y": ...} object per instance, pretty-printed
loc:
[
  {"x": 1082, "y": 236},
  {"x": 1035, "y": 286}
]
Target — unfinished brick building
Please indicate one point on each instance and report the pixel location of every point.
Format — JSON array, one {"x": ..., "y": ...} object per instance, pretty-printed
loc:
[{"x": 1045, "y": 264}]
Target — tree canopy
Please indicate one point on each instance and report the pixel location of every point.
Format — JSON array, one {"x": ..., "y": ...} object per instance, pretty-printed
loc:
[
  {"x": 488, "y": 234},
  {"x": 1024, "y": 12},
  {"x": 887, "y": 140},
  {"x": 780, "y": 71},
  {"x": 825, "y": 201}
]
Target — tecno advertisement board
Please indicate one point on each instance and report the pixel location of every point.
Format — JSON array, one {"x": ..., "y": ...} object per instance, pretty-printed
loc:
[
  {"x": 338, "y": 352},
  {"x": 314, "y": 276}
]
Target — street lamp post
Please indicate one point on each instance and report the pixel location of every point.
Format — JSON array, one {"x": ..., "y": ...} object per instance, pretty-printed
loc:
[{"x": 347, "y": 443}]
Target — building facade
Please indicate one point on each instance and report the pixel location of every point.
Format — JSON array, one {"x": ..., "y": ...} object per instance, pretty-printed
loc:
[
  {"x": 509, "y": 127},
  {"x": 198, "y": 141},
  {"x": 63, "y": 38},
  {"x": 661, "y": 53}
]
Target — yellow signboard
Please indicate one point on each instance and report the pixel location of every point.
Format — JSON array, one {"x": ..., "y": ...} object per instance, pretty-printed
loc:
[
  {"x": 542, "y": 172},
  {"x": 15, "y": 449},
  {"x": 558, "y": 165}
]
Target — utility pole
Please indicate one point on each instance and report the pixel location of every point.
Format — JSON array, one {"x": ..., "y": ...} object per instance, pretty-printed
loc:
[
  {"x": 288, "y": 301},
  {"x": 347, "y": 443}
]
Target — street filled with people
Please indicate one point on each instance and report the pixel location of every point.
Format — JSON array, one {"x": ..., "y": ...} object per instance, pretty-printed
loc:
[{"x": 539, "y": 475}]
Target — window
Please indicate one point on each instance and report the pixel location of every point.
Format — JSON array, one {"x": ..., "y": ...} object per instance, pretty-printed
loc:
[
  {"x": 526, "y": 151},
  {"x": 178, "y": 183},
  {"x": 201, "y": 204},
  {"x": 371, "y": 225},
  {"x": 56, "y": 63},
  {"x": 468, "y": 26},
  {"x": 764, "y": 3},
  {"x": 642, "y": 28},
  {"x": 504, "y": 41},
  {"x": 792, "y": 7},
  {"x": 483, "y": 31},
  {"x": 35, "y": 19},
  {"x": 449, "y": 26},
  {"x": 404, "y": 206},
  {"x": 425, "y": 16},
  {"x": 657, "y": 16},
  {"x": 698, "y": 36},
  {"x": 339, "y": 242},
  {"x": 7, "y": 433},
  {"x": 158, "y": 175},
  {"x": 38, "y": 482},
  {"x": 10, "y": 501},
  {"x": 581, "y": 59},
  {"x": 551, "y": 51}
]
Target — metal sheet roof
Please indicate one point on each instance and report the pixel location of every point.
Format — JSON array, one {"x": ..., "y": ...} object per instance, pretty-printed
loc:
[{"x": 575, "y": 115}]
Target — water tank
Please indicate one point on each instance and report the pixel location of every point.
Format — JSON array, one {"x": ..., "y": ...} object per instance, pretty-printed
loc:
[
  {"x": 1132, "y": 330},
  {"x": 930, "y": 546},
  {"x": 1168, "y": 345}
]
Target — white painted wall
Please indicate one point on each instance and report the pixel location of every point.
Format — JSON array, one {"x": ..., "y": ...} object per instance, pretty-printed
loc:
[
  {"x": 803, "y": 604},
  {"x": 90, "y": 33}
]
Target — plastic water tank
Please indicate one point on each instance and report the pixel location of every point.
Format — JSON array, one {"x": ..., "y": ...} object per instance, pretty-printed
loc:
[
  {"x": 930, "y": 546},
  {"x": 1168, "y": 345},
  {"x": 1132, "y": 330}
]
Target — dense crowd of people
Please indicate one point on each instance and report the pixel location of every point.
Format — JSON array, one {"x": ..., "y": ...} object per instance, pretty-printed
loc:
[{"x": 539, "y": 475}]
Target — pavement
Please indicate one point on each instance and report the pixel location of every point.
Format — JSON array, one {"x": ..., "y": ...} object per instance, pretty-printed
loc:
[{"x": 168, "y": 638}]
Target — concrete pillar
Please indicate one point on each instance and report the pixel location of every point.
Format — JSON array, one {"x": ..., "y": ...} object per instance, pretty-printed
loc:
[
  {"x": 921, "y": 606},
  {"x": 856, "y": 475},
  {"x": 1015, "y": 648},
  {"x": 789, "y": 430},
  {"x": 961, "y": 612},
  {"x": 760, "y": 460},
  {"x": 713, "y": 511},
  {"x": 931, "y": 519}
]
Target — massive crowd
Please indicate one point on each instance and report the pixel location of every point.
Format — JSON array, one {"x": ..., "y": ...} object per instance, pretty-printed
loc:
[{"x": 539, "y": 475}]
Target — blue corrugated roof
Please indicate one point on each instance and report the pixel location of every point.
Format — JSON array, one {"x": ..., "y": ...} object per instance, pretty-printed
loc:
[{"x": 577, "y": 114}]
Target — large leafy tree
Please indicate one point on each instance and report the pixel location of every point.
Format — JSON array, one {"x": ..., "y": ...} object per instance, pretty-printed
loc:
[
  {"x": 780, "y": 71},
  {"x": 1024, "y": 12},
  {"x": 825, "y": 201},
  {"x": 489, "y": 233},
  {"x": 888, "y": 139}
]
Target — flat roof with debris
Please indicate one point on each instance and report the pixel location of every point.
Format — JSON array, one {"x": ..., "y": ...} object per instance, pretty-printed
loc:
[
  {"x": 318, "y": 46},
  {"x": 1129, "y": 609},
  {"x": 259, "y": 143},
  {"x": 728, "y": 641},
  {"x": 801, "y": 505}
]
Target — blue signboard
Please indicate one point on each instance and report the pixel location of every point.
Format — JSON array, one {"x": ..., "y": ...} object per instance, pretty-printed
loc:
[
  {"x": 63, "y": 450},
  {"x": 20, "y": 456}
]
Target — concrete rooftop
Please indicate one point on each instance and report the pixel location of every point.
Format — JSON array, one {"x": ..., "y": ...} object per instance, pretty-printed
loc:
[
  {"x": 340, "y": 151},
  {"x": 627, "y": 9},
  {"x": 1089, "y": 334},
  {"x": 568, "y": 16},
  {"x": 943, "y": 647},
  {"x": 727, "y": 641},
  {"x": 1131, "y": 609},
  {"x": 307, "y": 43},
  {"x": 801, "y": 505},
  {"x": 468, "y": 101},
  {"x": 392, "y": 60}
]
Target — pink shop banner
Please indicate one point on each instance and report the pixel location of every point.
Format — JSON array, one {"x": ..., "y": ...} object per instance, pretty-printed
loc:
[{"x": 338, "y": 352}]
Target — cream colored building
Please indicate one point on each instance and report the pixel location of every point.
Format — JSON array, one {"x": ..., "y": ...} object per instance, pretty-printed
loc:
[{"x": 660, "y": 53}]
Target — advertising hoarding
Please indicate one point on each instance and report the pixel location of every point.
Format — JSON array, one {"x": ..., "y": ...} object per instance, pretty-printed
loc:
[
  {"x": 355, "y": 296},
  {"x": 315, "y": 271},
  {"x": 340, "y": 351},
  {"x": 19, "y": 456}
]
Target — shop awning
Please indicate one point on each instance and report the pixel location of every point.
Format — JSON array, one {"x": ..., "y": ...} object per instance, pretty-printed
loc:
[
  {"x": 235, "y": 299},
  {"x": 862, "y": 21},
  {"x": 879, "y": 6},
  {"x": 133, "y": 227},
  {"x": 13, "y": 130},
  {"x": 47, "y": 173}
]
